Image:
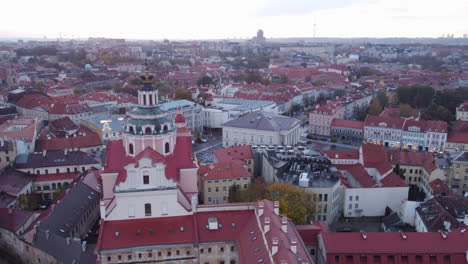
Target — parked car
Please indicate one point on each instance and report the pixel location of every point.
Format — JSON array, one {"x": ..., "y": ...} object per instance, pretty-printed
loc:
[{"x": 203, "y": 140}]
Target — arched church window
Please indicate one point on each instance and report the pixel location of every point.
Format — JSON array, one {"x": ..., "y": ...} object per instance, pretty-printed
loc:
[
  {"x": 144, "y": 99},
  {"x": 130, "y": 148},
  {"x": 148, "y": 209},
  {"x": 165, "y": 128},
  {"x": 167, "y": 147},
  {"x": 151, "y": 99},
  {"x": 148, "y": 130},
  {"x": 130, "y": 129}
]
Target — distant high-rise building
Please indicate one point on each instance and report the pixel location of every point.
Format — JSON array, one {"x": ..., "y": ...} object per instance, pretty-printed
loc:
[{"x": 260, "y": 38}]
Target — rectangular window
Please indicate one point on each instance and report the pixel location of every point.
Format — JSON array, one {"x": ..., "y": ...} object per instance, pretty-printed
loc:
[
  {"x": 148, "y": 209},
  {"x": 350, "y": 198},
  {"x": 350, "y": 206},
  {"x": 325, "y": 197},
  {"x": 146, "y": 179}
]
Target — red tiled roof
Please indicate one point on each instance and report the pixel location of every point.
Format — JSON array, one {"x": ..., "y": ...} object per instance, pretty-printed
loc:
[
  {"x": 347, "y": 124},
  {"x": 393, "y": 180},
  {"x": 223, "y": 170},
  {"x": 84, "y": 138},
  {"x": 69, "y": 109},
  {"x": 116, "y": 158},
  {"x": 359, "y": 174},
  {"x": 458, "y": 137},
  {"x": 243, "y": 152},
  {"x": 374, "y": 156},
  {"x": 422, "y": 159},
  {"x": 56, "y": 176},
  {"x": 341, "y": 154},
  {"x": 440, "y": 188},
  {"x": 31, "y": 101},
  {"x": 13, "y": 219},
  {"x": 27, "y": 133},
  {"x": 375, "y": 121},
  {"x": 394, "y": 243}
]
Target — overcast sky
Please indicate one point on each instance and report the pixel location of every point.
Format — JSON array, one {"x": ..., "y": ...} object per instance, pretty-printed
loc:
[{"x": 208, "y": 19}]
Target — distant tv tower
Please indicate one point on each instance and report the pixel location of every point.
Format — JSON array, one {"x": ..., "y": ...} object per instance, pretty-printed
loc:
[{"x": 315, "y": 26}]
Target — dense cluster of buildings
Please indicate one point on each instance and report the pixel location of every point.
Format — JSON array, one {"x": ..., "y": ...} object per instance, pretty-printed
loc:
[{"x": 97, "y": 165}]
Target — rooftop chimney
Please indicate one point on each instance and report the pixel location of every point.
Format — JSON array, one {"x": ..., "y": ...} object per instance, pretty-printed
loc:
[
  {"x": 276, "y": 207},
  {"x": 447, "y": 225},
  {"x": 47, "y": 234},
  {"x": 294, "y": 245},
  {"x": 274, "y": 248},
  {"x": 44, "y": 152},
  {"x": 267, "y": 225},
  {"x": 68, "y": 240},
  {"x": 212, "y": 223},
  {"x": 284, "y": 224},
  {"x": 260, "y": 208},
  {"x": 83, "y": 246}
]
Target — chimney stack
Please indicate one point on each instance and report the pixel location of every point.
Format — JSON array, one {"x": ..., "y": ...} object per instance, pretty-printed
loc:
[
  {"x": 276, "y": 207},
  {"x": 47, "y": 234},
  {"x": 284, "y": 224},
  {"x": 260, "y": 208},
  {"x": 274, "y": 248},
  {"x": 44, "y": 152},
  {"x": 267, "y": 225},
  {"x": 294, "y": 245},
  {"x": 83, "y": 246},
  {"x": 68, "y": 240}
]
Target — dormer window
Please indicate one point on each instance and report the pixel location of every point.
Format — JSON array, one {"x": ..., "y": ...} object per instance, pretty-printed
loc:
[
  {"x": 146, "y": 179},
  {"x": 148, "y": 130}
]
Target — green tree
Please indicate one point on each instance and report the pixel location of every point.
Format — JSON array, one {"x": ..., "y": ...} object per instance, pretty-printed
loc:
[
  {"x": 360, "y": 112},
  {"x": 375, "y": 108},
  {"x": 78, "y": 91},
  {"x": 136, "y": 81},
  {"x": 204, "y": 80},
  {"x": 295, "y": 202},
  {"x": 416, "y": 96},
  {"x": 437, "y": 112},
  {"x": 406, "y": 110},
  {"x": 283, "y": 78},
  {"x": 383, "y": 99},
  {"x": 182, "y": 93}
]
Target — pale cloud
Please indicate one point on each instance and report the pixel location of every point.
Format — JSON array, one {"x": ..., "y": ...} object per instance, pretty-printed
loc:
[{"x": 203, "y": 19}]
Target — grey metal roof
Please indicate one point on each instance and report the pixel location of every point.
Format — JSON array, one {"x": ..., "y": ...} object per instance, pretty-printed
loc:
[
  {"x": 67, "y": 214},
  {"x": 261, "y": 120},
  {"x": 12, "y": 181},
  {"x": 56, "y": 158},
  {"x": 173, "y": 105},
  {"x": 245, "y": 104},
  {"x": 64, "y": 252}
]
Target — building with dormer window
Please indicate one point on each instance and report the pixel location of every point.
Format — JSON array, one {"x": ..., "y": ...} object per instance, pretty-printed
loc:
[{"x": 150, "y": 212}]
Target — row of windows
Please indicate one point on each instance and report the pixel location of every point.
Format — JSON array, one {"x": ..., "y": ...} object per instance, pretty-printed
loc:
[
  {"x": 46, "y": 171},
  {"x": 230, "y": 180},
  {"x": 169, "y": 254},
  {"x": 224, "y": 188},
  {"x": 131, "y": 148},
  {"x": 391, "y": 259}
]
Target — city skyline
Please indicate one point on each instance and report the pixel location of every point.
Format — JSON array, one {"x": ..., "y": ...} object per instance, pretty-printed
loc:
[{"x": 214, "y": 20}]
